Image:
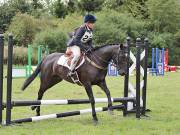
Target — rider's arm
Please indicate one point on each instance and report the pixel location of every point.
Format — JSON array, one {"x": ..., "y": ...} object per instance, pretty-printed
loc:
[
  {"x": 90, "y": 44},
  {"x": 79, "y": 34}
]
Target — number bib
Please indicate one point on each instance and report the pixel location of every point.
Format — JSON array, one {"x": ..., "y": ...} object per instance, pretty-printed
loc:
[{"x": 86, "y": 37}]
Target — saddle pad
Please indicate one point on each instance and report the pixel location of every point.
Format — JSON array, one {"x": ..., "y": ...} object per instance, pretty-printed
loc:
[{"x": 63, "y": 62}]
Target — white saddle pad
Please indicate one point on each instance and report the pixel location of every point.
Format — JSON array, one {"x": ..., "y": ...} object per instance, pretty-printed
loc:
[{"x": 63, "y": 62}]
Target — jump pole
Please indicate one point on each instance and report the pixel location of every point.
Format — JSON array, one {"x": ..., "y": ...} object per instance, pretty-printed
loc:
[
  {"x": 1, "y": 74},
  {"x": 71, "y": 101},
  {"x": 66, "y": 114}
]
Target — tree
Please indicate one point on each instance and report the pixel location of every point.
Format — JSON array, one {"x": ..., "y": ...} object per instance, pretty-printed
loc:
[
  {"x": 90, "y": 5},
  {"x": 137, "y": 8},
  {"x": 72, "y": 6},
  {"x": 9, "y": 9},
  {"x": 24, "y": 28},
  {"x": 36, "y": 4},
  {"x": 20, "y": 5},
  {"x": 60, "y": 10}
]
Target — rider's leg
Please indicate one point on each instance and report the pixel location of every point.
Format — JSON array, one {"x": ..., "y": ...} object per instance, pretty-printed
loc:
[{"x": 76, "y": 55}]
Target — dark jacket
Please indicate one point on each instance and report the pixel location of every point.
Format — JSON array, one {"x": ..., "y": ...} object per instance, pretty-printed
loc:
[{"x": 81, "y": 37}]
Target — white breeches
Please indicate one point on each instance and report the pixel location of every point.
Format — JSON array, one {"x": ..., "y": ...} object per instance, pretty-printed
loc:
[{"x": 76, "y": 55}]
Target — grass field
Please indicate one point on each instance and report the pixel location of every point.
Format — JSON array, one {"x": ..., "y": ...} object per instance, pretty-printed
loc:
[{"x": 163, "y": 99}]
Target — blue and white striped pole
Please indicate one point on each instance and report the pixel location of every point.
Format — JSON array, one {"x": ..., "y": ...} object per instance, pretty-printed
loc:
[
  {"x": 157, "y": 61},
  {"x": 153, "y": 69}
]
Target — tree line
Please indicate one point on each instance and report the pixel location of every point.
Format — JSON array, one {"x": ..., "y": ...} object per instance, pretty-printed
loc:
[{"x": 47, "y": 22}]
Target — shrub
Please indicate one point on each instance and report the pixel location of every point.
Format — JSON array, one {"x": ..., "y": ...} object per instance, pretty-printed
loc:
[
  {"x": 115, "y": 27},
  {"x": 55, "y": 40}
]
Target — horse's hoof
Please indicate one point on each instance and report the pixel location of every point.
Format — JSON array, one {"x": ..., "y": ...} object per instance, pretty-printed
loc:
[
  {"x": 33, "y": 107},
  {"x": 95, "y": 122},
  {"x": 38, "y": 114},
  {"x": 111, "y": 112}
]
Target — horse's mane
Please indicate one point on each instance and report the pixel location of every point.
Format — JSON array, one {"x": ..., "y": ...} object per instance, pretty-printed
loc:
[{"x": 105, "y": 45}]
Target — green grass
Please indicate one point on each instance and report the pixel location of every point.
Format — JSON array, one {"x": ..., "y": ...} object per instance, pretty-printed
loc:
[{"x": 163, "y": 99}]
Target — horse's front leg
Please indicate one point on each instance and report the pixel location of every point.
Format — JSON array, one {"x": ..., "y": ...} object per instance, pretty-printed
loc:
[
  {"x": 104, "y": 87},
  {"x": 92, "y": 101}
]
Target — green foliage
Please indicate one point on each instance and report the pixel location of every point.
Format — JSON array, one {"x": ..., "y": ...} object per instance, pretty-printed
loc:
[
  {"x": 163, "y": 40},
  {"x": 137, "y": 8},
  {"x": 36, "y": 4},
  {"x": 72, "y": 6},
  {"x": 20, "y": 5},
  {"x": 70, "y": 22},
  {"x": 60, "y": 10},
  {"x": 116, "y": 19},
  {"x": 90, "y": 5},
  {"x": 55, "y": 39},
  {"x": 115, "y": 27},
  {"x": 23, "y": 28},
  {"x": 164, "y": 15},
  {"x": 6, "y": 14}
]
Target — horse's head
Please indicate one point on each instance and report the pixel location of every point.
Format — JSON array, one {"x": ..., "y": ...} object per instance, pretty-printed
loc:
[{"x": 120, "y": 59}]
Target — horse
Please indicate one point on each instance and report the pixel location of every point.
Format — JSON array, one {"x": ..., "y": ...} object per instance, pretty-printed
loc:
[{"x": 92, "y": 72}]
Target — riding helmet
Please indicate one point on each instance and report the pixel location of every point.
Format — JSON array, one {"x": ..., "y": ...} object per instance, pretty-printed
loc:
[{"x": 89, "y": 18}]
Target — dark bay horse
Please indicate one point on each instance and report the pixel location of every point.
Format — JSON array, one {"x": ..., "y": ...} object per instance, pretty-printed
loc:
[{"x": 89, "y": 74}]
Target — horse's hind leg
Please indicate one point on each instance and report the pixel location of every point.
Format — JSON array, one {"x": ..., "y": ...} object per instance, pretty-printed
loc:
[
  {"x": 43, "y": 87},
  {"x": 104, "y": 87}
]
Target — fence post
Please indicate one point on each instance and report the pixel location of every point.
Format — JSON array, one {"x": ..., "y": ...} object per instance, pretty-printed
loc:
[
  {"x": 29, "y": 60},
  {"x": 9, "y": 80},
  {"x": 46, "y": 51},
  {"x": 126, "y": 79},
  {"x": 138, "y": 46},
  {"x": 146, "y": 46},
  {"x": 1, "y": 74},
  {"x": 39, "y": 54}
]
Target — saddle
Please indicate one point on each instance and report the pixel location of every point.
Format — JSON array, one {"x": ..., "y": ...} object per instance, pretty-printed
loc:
[
  {"x": 70, "y": 56},
  {"x": 65, "y": 60}
]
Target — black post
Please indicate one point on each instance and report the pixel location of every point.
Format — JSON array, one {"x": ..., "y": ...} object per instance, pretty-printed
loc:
[
  {"x": 9, "y": 80},
  {"x": 126, "y": 79},
  {"x": 145, "y": 75},
  {"x": 1, "y": 74},
  {"x": 138, "y": 46}
]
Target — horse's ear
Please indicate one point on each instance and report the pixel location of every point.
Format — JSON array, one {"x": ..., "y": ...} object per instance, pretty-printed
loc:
[{"x": 121, "y": 46}]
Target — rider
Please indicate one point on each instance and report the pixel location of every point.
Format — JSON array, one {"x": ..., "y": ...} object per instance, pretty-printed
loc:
[{"x": 81, "y": 40}]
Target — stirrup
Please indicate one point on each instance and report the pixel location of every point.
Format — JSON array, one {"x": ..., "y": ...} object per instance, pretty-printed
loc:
[{"x": 70, "y": 73}]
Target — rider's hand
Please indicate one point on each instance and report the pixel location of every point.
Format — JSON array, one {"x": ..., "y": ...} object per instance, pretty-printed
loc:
[{"x": 88, "y": 51}]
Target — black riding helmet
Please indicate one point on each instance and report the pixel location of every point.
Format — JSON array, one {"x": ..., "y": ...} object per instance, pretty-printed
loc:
[{"x": 89, "y": 18}]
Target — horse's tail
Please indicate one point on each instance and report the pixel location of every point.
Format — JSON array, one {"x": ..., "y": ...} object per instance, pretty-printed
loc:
[{"x": 31, "y": 77}]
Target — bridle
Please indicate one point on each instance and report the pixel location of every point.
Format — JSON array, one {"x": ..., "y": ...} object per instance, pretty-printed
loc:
[{"x": 118, "y": 59}]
